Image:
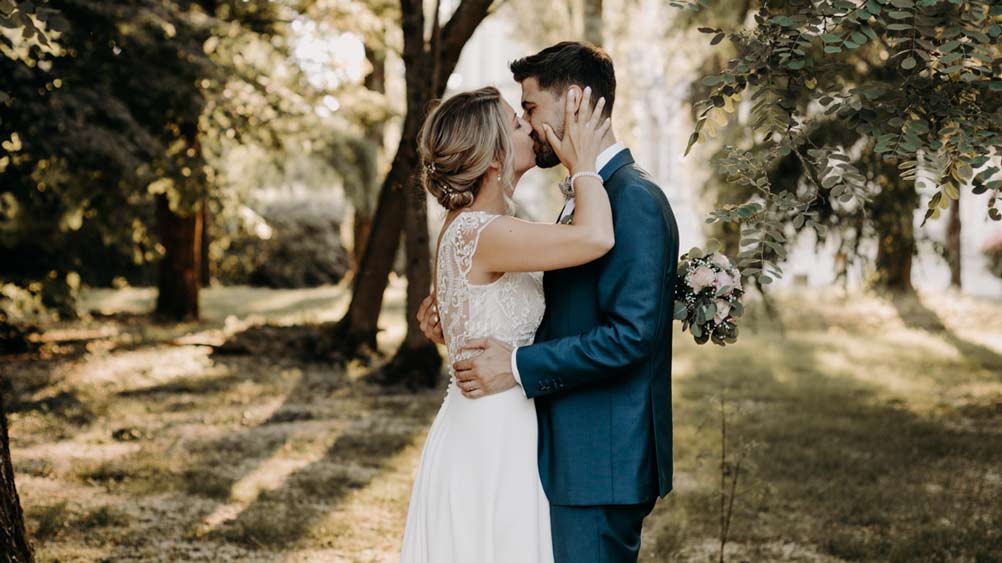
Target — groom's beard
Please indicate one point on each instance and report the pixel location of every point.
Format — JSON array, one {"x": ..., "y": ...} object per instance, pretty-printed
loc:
[{"x": 545, "y": 157}]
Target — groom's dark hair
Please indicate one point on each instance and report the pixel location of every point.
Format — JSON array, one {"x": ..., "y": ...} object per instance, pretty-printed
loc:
[{"x": 571, "y": 62}]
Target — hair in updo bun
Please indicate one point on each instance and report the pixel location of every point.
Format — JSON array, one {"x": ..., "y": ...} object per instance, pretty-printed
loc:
[{"x": 459, "y": 140}]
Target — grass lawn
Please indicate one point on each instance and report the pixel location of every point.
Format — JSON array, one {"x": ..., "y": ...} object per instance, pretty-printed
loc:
[{"x": 858, "y": 429}]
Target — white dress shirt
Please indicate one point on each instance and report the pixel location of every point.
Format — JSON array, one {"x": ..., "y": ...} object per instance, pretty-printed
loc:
[{"x": 600, "y": 161}]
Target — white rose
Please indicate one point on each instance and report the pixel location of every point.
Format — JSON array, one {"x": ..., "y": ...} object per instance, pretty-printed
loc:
[
  {"x": 701, "y": 278},
  {"x": 723, "y": 309},
  {"x": 720, "y": 260}
]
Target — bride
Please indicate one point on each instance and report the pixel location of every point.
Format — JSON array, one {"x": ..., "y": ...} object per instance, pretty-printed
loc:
[{"x": 477, "y": 497}]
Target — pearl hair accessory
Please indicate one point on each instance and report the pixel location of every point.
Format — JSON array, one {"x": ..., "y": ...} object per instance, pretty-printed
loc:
[{"x": 431, "y": 169}]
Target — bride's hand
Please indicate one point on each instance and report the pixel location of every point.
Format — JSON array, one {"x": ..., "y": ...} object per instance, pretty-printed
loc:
[{"x": 583, "y": 134}]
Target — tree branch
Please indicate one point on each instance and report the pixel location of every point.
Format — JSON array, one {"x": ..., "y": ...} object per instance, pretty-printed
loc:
[
  {"x": 436, "y": 47},
  {"x": 412, "y": 25},
  {"x": 458, "y": 31}
]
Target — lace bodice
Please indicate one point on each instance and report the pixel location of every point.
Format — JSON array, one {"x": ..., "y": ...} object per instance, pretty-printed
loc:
[{"x": 508, "y": 309}]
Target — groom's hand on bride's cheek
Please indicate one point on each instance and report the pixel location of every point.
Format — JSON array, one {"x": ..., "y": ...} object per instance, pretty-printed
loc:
[{"x": 486, "y": 373}]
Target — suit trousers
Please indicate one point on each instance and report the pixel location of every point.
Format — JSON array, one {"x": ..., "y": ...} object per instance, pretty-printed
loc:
[{"x": 598, "y": 534}]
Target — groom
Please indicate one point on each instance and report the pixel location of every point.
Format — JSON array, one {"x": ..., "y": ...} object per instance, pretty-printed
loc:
[{"x": 600, "y": 367}]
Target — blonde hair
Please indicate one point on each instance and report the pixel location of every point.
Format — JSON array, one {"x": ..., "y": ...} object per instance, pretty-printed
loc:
[{"x": 459, "y": 140}]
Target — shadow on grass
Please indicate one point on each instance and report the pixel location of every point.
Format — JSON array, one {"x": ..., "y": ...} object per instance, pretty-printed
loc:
[
  {"x": 188, "y": 385},
  {"x": 204, "y": 474},
  {"x": 917, "y": 316},
  {"x": 306, "y": 342},
  {"x": 64, "y": 405},
  {"x": 831, "y": 464},
  {"x": 388, "y": 422}
]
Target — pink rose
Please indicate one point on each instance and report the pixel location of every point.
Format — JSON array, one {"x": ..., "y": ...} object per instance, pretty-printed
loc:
[
  {"x": 722, "y": 279},
  {"x": 701, "y": 278}
]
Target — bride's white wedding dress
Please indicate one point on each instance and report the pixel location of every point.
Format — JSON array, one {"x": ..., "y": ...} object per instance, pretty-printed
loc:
[{"x": 477, "y": 497}]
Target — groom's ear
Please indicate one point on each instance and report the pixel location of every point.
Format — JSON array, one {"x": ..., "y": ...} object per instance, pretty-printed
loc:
[{"x": 577, "y": 91}]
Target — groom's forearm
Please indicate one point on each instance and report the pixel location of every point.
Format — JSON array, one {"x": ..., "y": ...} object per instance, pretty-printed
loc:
[
  {"x": 574, "y": 361},
  {"x": 631, "y": 292}
]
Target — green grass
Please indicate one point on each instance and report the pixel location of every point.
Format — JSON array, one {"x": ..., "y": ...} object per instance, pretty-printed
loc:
[
  {"x": 867, "y": 430},
  {"x": 858, "y": 443}
]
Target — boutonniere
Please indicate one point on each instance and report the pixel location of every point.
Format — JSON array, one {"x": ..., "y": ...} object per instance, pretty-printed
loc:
[{"x": 567, "y": 189}]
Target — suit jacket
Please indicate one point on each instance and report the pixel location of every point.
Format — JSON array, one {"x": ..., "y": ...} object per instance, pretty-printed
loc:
[{"x": 600, "y": 367}]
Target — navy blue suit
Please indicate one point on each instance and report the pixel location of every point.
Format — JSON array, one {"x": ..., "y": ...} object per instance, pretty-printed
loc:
[{"x": 600, "y": 374}]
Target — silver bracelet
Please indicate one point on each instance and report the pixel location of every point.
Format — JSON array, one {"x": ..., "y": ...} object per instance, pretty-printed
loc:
[{"x": 584, "y": 174}]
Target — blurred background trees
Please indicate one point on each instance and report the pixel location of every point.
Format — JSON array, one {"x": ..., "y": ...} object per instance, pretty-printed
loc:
[
  {"x": 185, "y": 143},
  {"x": 857, "y": 112}
]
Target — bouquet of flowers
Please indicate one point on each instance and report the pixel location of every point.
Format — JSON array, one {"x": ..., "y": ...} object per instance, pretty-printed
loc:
[{"x": 708, "y": 296}]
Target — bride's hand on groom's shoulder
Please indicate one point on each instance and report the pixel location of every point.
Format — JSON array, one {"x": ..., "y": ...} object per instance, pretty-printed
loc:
[
  {"x": 429, "y": 321},
  {"x": 584, "y": 130}
]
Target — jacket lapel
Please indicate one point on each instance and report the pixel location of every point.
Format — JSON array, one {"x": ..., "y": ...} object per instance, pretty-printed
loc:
[{"x": 621, "y": 159}]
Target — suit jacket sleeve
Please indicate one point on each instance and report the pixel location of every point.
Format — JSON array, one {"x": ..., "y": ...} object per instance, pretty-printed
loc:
[{"x": 631, "y": 284}]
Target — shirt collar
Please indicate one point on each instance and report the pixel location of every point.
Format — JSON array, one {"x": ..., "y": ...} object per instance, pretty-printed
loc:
[{"x": 605, "y": 156}]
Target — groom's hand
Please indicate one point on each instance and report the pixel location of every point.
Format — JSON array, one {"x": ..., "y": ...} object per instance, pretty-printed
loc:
[{"x": 487, "y": 373}]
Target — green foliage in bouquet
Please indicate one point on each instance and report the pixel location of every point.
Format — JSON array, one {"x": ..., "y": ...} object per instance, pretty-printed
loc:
[{"x": 708, "y": 296}]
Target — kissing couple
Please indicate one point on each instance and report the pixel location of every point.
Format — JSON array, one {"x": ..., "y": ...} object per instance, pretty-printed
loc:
[{"x": 554, "y": 439}]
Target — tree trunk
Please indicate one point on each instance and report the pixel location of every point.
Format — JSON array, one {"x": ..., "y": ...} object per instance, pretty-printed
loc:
[
  {"x": 893, "y": 219},
  {"x": 894, "y": 263},
  {"x": 180, "y": 269},
  {"x": 359, "y": 325},
  {"x": 361, "y": 227},
  {"x": 418, "y": 265},
  {"x": 593, "y": 21},
  {"x": 206, "y": 266},
  {"x": 376, "y": 82},
  {"x": 953, "y": 244},
  {"x": 13, "y": 539},
  {"x": 417, "y": 362}
]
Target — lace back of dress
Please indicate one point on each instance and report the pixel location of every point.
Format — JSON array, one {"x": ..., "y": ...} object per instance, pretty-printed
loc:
[{"x": 455, "y": 293}]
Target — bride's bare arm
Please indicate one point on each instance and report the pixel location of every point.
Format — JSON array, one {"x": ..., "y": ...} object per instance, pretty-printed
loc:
[{"x": 509, "y": 244}]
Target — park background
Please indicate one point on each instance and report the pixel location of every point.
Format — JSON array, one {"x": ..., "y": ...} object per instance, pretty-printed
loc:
[{"x": 212, "y": 247}]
